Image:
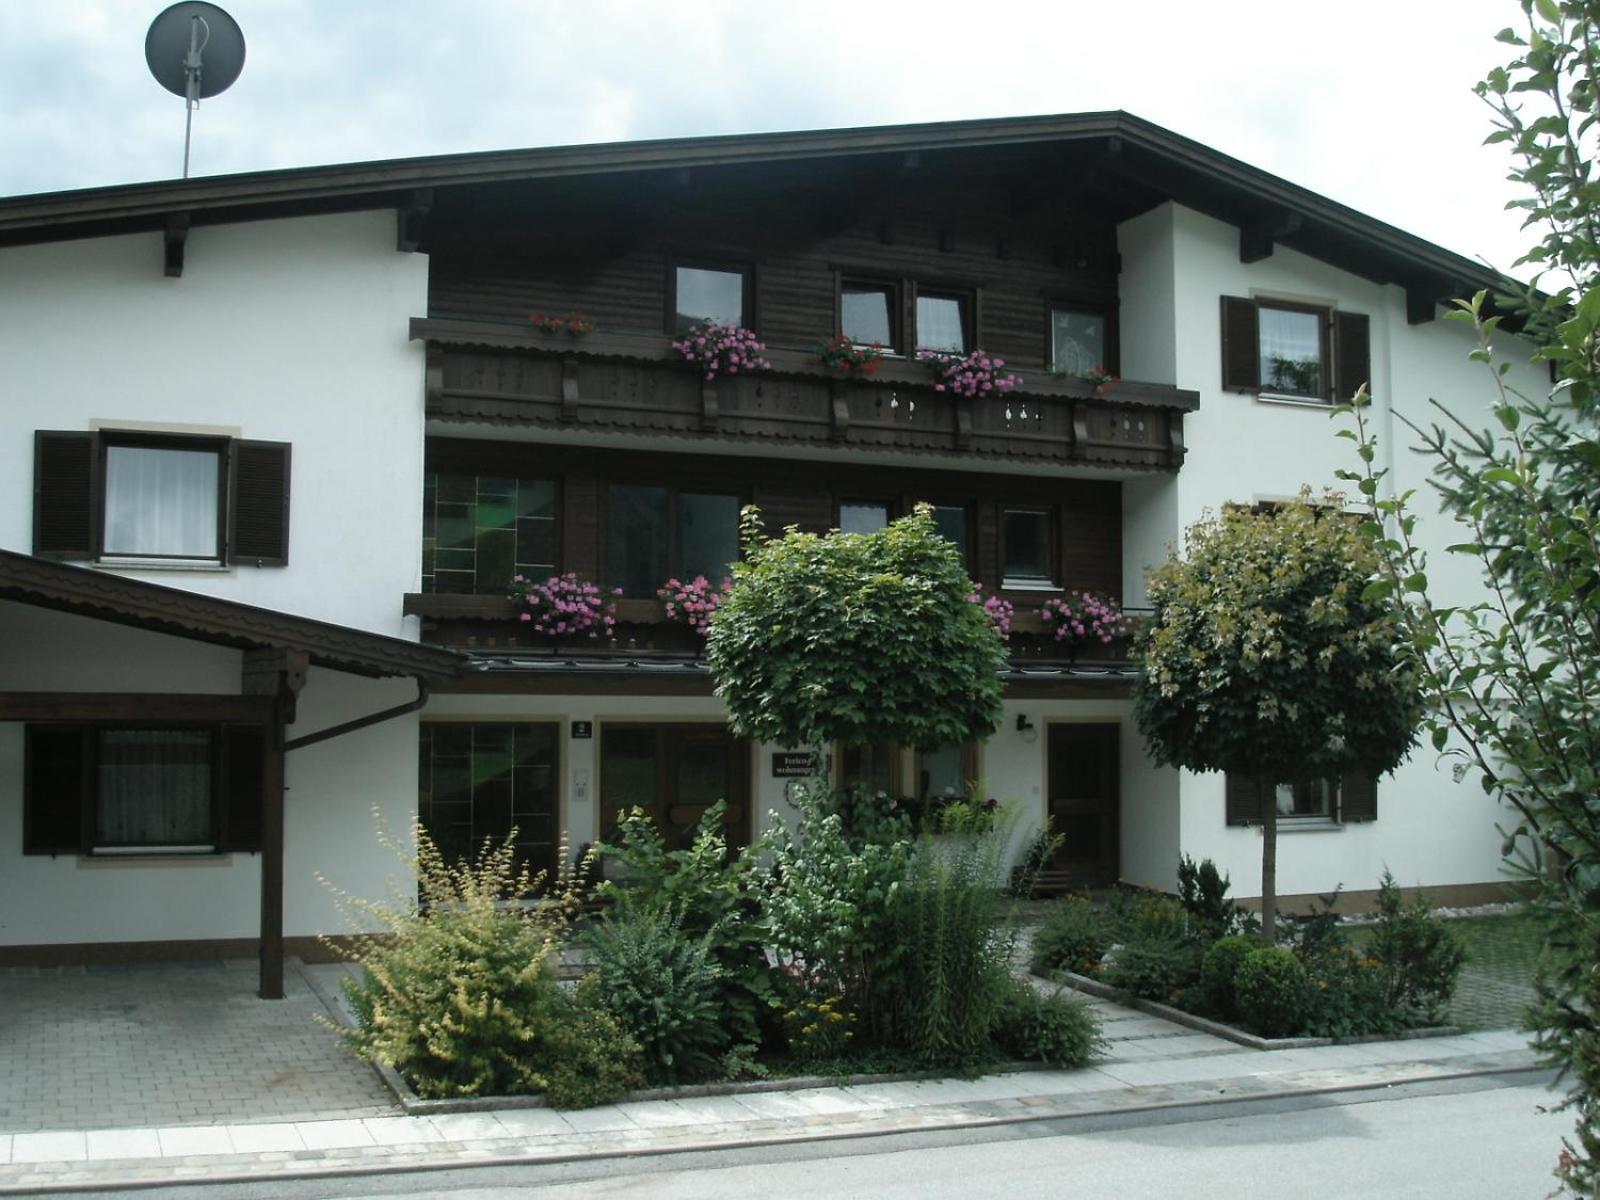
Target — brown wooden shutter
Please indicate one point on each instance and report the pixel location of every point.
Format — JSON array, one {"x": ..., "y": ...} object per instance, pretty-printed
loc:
[
  {"x": 243, "y": 755},
  {"x": 1358, "y": 796},
  {"x": 1243, "y": 800},
  {"x": 1352, "y": 355},
  {"x": 1241, "y": 355},
  {"x": 66, "y": 494},
  {"x": 55, "y": 787},
  {"x": 258, "y": 512}
]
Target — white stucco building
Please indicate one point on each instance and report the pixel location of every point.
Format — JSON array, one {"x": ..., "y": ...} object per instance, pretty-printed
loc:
[{"x": 274, "y": 444}]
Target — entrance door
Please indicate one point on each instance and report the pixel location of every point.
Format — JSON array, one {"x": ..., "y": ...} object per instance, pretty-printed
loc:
[{"x": 1084, "y": 803}]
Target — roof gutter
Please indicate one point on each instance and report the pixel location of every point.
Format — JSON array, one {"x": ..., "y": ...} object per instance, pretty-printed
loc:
[{"x": 377, "y": 718}]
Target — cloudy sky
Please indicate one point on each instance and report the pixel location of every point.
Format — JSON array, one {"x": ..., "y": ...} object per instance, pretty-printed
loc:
[{"x": 1367, "y": 101}]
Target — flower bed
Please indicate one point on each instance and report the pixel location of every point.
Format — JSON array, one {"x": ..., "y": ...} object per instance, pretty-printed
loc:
[{"x": 1200, "y": 954}]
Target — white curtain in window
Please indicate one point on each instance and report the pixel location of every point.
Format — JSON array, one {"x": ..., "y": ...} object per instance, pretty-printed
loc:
[
  {"x": 154, "y": 788},
  {"x": 161, "y": 502},
  {"x": 939, "y": 324},
  {"x": 1291, "y": 352}
]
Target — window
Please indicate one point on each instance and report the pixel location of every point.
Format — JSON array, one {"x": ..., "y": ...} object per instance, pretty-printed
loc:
[
  {"x": 947, "y": 772},
  {"x": 141, "y": 788},
  {"x": 478, "y": 782},
  {"x": 1293, "y": 351},
  {"x": 1349, "y": 798},
  {"x": 1077, "y": 341},
  {"x": 867, "y": 314},
  {"x": 862, "y": 516},
  {"x": 951, "y": 522},
  {"x": 480, "y": 530},
  {"x": 1026, "y": 549},
  {"x": 876, "y": 768},
  {"x": 161, "y": 499},
  {"x": 942, "y": 322},
  {"x": 657, "y": 533},
  {"x": 675, "y": 773},
  {"x": 701, "y": 294}
]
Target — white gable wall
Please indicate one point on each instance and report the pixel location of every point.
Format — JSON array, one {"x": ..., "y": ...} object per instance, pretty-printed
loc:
[{"x": 287, "y": 330}]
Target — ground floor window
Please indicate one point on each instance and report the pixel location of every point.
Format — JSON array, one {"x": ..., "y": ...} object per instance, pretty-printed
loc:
[
  {"x": 675, "y": 773},
  {"x": 479, "y": 781},
  {"x": 140, "y": 788}
]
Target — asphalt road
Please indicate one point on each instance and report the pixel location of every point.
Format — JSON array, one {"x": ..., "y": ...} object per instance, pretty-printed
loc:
[{"x": 1478, "y": 1138}]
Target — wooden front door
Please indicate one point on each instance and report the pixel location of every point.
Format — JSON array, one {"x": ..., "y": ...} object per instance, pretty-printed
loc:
[{"x": 1083, "y": 774}]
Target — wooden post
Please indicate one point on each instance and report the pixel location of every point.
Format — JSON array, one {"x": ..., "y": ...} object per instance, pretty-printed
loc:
[
  {"x": 272, "y": 857},
  {"x": 279, "y": 674}
]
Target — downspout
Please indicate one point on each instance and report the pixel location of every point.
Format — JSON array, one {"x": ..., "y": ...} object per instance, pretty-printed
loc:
[{"x": 388, "y": 714}]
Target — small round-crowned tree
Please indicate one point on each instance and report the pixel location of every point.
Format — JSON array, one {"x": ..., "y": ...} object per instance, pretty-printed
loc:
[
  {"x": 856, "y": 638},
  {"x": 1270, "y": 655}
]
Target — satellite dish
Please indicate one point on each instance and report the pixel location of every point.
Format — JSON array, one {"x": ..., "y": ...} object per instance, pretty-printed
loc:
[{"x": 194, "y": 50}]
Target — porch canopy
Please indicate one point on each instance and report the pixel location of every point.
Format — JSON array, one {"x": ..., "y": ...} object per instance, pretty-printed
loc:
[{"x": 278, "y": 650}]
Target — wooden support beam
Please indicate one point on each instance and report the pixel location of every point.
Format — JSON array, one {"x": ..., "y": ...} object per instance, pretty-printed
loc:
[
  {"x": 130, "y": 706},
  {"x": 174, "y": 238},
  {"x": 1256, "y": 240},
  {"x": 411, "y": 218},
  {"x": 271, "y": 984},
  {"x": 278, "y": 674},
  {"x": 1421, "y": 306}
]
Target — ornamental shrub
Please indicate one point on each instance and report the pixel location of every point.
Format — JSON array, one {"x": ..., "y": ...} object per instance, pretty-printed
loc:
[
  {"x": 459, "y": 994},
  {"x": 1421, "y": 955},
  {"x": 1058, "y": 1029},
  {"x": 1157, "y": 968},
  {"x": 1074, "y": 937},
  {"x": 1270, "y": 991},
  {"x": 1203, "y": 892},
  {"x": 710, "y": 896},
  {"x": 663, "y": 988},
  {"x": 589, "y": 1057},
  {"x": 1219, "y": 968}
]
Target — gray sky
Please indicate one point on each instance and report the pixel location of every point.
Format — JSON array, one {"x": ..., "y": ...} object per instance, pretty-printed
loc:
[{"x": 1368, "y": 102}]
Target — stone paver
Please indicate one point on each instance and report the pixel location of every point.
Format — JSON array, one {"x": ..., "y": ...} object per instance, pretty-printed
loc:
[{"x": 174, "y": 1044}]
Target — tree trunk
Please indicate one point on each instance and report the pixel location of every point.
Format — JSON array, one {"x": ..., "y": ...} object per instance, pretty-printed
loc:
[{"x": 1269, "y": 861}]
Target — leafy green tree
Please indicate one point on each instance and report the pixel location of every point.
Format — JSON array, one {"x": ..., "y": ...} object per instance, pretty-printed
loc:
[
  {"x": 1514, "y": 680},
  {"x": 1266, "y": 657},
  {"x": 856, "y": 638}
]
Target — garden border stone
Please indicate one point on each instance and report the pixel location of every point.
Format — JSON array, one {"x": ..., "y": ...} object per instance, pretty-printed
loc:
[{"x": 1104, "y": 991}]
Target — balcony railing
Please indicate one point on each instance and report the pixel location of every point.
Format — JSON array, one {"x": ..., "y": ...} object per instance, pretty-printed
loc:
[
  {"x": 490, "y": 624},
  {"x": 481, "y": 372}
]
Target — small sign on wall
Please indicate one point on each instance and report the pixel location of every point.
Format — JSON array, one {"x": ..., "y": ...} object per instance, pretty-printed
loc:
[
  {"x": 583, "y": 729},
  {"x": 793, "y": 764}
]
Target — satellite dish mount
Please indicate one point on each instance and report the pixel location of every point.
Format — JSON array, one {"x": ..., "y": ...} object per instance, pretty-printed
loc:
[{"x": 194, "y": 50}]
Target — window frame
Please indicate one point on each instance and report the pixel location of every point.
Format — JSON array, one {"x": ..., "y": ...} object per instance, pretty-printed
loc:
[
  {"x": 669, "y": 736},
  {"x": 433, "y": 472},
  {"x": 970, "y": 772},
  {"x": 1107, "y": 313},
  {"x": 1324, "y": 314},
  {"x": 674, "y": 562},
  {"x": 896, "y": 755},
  {"x": 1052, "y": 583},
  {"x": 219, "y": 446},
  {"x": 556, "y": 728},
  {"x": 891, "y": 508},
  {"x": 967, "y": 302},
  {"x": 893, "y": 288},
  {"x": 746, "y": 272},
  {"x": 223, "y": 838}
]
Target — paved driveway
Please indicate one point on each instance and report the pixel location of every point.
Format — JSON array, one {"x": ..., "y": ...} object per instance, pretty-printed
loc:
[{"x": 170, "y": 1044}]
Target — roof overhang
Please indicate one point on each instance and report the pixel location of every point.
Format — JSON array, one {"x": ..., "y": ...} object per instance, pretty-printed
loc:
[
  {"x": 103, "y": 596},
  {"x": 1126, "y": 151}
]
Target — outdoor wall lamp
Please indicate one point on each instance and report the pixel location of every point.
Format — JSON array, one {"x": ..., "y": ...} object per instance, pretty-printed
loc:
[{"x": 1028, "y": 731}]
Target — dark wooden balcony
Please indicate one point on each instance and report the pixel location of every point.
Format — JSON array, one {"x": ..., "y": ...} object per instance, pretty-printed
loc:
[
  {"x": 489, "y": 624},
  {"x": 504, "y": 374}
]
